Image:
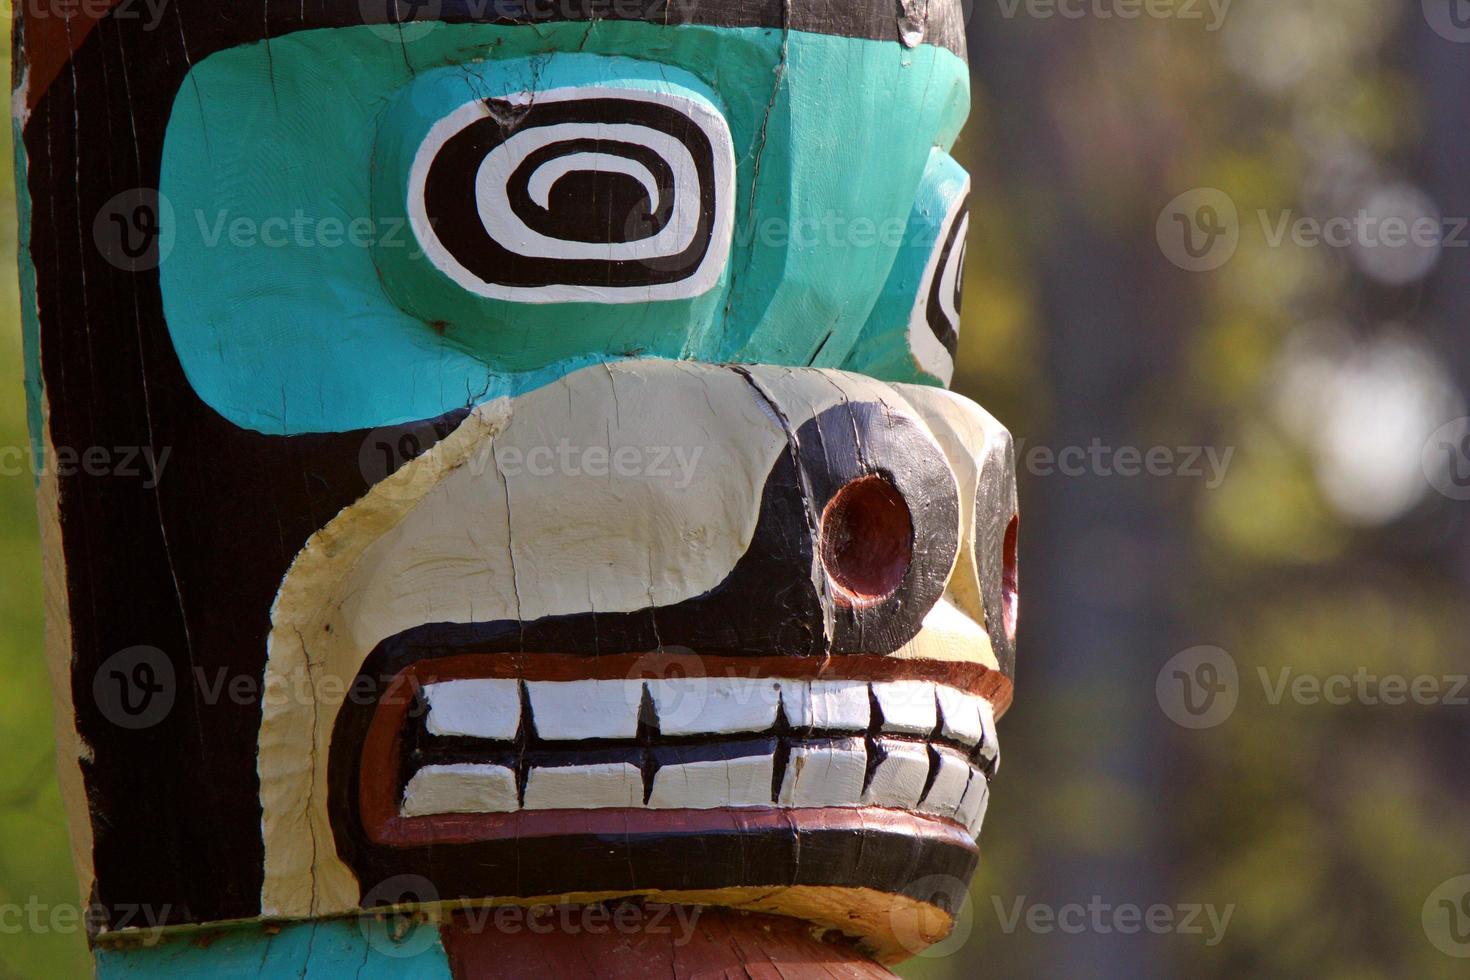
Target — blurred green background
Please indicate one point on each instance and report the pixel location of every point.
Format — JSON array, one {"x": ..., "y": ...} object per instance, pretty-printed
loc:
[{"x": 1322, "y": 549}]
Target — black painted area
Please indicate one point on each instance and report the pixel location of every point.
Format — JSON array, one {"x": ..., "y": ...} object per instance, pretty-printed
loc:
[
  {"x": 597, "y": 206},
  {"x": 941, "y": 22},
  {"x": 947, "y": 331}
]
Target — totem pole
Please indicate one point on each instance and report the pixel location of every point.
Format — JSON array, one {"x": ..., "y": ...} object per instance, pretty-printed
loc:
[{"x": 502, "y": 509}]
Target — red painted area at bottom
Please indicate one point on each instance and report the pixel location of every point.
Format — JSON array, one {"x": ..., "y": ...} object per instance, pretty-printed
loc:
[{"x": 631, "y": 941}]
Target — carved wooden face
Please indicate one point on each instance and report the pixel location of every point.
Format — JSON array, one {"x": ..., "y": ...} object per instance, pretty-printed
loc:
[{"x": 560, "y": 499}]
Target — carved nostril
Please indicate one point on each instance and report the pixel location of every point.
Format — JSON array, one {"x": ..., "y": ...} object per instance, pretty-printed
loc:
[
  {"x": 867, "y": 540},
  {"x": 1009, "y": 597}
]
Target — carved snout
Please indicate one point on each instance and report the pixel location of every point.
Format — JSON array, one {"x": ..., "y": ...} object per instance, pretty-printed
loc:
[
  {"x": 738, "y": 512},
  {"x": 728, "y": 511}
]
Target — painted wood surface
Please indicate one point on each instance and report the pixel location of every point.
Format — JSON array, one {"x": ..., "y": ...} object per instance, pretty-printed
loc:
[{"x": 549, "y": 490}]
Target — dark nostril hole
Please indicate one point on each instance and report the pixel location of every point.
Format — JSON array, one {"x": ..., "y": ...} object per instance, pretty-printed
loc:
[
  {"x": 1008, "y": 596},
  {"x": 867, "y": 540}
]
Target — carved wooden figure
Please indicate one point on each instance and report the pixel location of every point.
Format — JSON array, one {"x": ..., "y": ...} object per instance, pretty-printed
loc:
[{"x": 548, "y": 543}]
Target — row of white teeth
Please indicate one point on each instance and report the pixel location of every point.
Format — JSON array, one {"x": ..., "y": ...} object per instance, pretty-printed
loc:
[
  {"x": 829, "y": 772},
  {"x": 821, "y": 773},
  {"x": 610, "y": 709}
]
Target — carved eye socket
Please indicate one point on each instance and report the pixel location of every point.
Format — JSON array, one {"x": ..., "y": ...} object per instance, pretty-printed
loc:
[
  {"x": 944, "y": 280},
  {"x": 606, "y": 195}
]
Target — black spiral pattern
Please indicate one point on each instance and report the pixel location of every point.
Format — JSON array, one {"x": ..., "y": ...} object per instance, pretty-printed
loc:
[{"x": 604, "y": 192}]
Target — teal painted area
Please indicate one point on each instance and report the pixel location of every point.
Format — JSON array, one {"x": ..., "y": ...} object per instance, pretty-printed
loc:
[
  {"x": 859, "y": 119},
  {"x": 882, "y": 350},
  {"x": 324, "y": 950},
  {"x": 295, "y": 335},
  {"x": 30, "y": 332},
  {"x": 520, "y": 337}
]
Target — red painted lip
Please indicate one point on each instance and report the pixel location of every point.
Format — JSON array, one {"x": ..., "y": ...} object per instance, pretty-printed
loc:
[{"x": 380, "y": 761}]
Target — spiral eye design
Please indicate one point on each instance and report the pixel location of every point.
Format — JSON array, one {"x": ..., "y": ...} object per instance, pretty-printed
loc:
[
  {"x": 934, "y": 327},
  {"x": 583, "y": 194}
]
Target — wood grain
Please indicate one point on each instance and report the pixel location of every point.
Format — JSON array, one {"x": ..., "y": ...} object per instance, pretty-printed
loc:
[{"x": 714, "y": 945}]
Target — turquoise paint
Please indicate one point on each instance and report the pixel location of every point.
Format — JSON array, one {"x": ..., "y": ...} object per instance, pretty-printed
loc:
[
  {"x": 882, "y": 350},
  {"x": 324, "y": 950},
  {"x": 831, "y": 135},
  {"x": 30, "y": 326}
]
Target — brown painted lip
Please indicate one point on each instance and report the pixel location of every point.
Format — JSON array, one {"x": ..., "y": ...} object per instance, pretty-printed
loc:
[{"x": 381, "y": 749}]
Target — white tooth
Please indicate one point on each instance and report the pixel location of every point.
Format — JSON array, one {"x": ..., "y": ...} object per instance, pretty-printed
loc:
[
  {"x": 990, "y": 744},
  {"x": 796, "y": 703},
  {"x": 840, "y": 706},
  {"x": 460, "y": 788},
  {"x": 972, "y": 807},
  {"x": 948, "y": 789},
  {"x": 617, "y": 784},
  {"x": 961, "y": 715},
  {"x": 718, "y": 782},
  {"x": 898, "y": 780},
  {"x": 478, "y": 708},
  {"x": 825, "y": 773},
  {"x": 907, "y": 706},
  {"x": 715, "y": 705},
  {"x": 570, "y": 710}
]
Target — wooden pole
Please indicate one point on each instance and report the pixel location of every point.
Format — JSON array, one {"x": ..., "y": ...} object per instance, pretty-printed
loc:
[{"x": 499, "y": 494}]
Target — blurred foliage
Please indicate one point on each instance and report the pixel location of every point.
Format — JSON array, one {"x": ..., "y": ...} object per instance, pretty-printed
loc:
[
  {"x": 1326, "y": 827},
  {"x": 1324, "y": 552}
]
